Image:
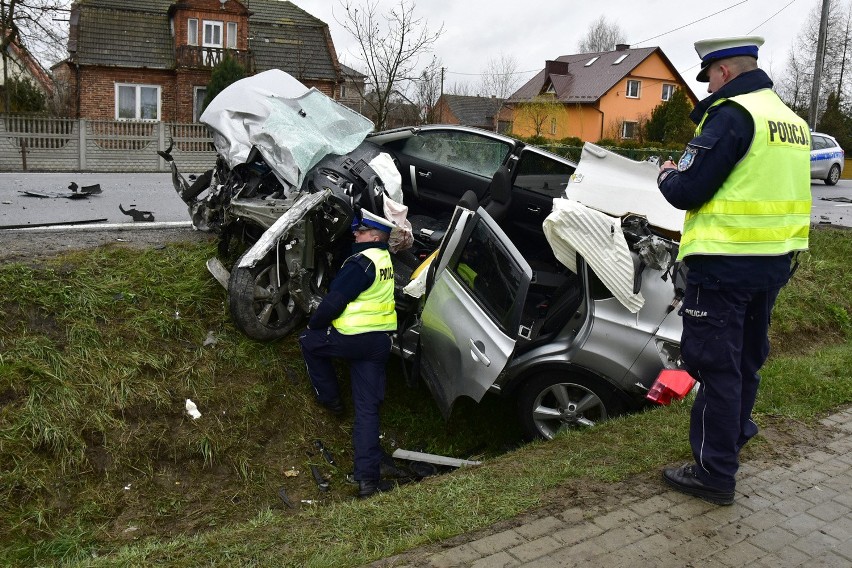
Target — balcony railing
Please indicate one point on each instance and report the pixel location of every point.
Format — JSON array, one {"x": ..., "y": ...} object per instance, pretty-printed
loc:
[{"x": 208, "y": 57}]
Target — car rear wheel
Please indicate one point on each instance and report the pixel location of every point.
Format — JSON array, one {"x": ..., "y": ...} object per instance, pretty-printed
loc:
[
  {"x": 260, "y": 302},
  {"x": 833, "y": 175},
  {"x": 552, "y": 402}
]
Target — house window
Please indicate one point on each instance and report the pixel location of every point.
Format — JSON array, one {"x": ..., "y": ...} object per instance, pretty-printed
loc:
[
  {"x": 212, "y": 34},
  {"x": 633, "y": 89},
  {"x": 628, "y": 130},
  {"x": 232, "y": 35},
  {"x": 192, "y": 31},
  {"x": 343, "y": 91},
  {"x": 668, "y": 91},
  {"x": 553, "y": 126},
  {"x": 199, "y": 94},
  {"x": 137, "y": 102}
]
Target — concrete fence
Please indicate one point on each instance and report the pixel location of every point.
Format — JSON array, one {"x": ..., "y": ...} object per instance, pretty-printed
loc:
[{"x": 45, "y": 144}]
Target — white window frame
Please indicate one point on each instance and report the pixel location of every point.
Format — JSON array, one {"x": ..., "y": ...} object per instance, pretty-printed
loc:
[
  {"x": 213, "y": 24},
  {"x": 553, "y": 125},
  {"x": 634, "y": 127},
  {"x": 231, "y": 36},
  {"x": 638, "y": 88},
  {"x": 138, "y": 110},
  {"x": 192, "y": 31},
  {"x": 196, "y": 111},
  {"x": 343, "y": 90},
  {"x": 671, "y": 90}
]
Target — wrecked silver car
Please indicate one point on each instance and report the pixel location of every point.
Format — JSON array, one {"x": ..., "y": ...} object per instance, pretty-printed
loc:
[{"x": 518, "y": 271}]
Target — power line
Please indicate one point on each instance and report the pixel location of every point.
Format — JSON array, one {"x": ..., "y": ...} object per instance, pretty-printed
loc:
[
  {"x": 772, "y": 16},
  {"x": 695, "y": 22}
]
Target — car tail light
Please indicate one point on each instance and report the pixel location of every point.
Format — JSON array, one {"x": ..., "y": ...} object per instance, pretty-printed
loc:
[{"x": 671, "y": 384}]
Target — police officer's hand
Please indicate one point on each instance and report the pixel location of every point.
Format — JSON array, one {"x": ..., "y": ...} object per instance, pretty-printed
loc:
[{"x": 668, "y": 165}]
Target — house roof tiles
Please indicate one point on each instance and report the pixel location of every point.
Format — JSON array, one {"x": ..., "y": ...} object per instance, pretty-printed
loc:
[
  {"x": 585, "y": 83},
  {"x": 138, "y": 34},
  {"x": 474, "y": 111}
]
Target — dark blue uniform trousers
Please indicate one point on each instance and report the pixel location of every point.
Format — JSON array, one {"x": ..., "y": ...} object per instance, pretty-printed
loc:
[
  {"x": 724, "y": 344},
  {"x": 368, "y": 355}
]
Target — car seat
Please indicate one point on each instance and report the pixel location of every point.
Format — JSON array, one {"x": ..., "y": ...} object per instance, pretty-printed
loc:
[{"x": 499, "y": 194}]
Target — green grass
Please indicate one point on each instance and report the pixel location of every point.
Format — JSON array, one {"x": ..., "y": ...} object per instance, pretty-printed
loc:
[{"x": 101, "y": 466}]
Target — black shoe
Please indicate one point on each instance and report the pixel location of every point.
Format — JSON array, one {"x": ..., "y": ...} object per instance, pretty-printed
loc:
[
  {"x": 685, "y": 480},
  {"x": 373, "y": 486},
  {"x": 335, "y": 406}
]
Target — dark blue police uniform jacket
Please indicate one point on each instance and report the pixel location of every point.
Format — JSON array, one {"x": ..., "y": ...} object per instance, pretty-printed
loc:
[
  {"x": 367, "y": 354},
  {"x": 728, "y": 299}
]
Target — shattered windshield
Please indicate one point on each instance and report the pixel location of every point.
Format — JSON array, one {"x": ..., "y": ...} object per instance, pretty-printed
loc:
[{"x": 299, "y": 132}]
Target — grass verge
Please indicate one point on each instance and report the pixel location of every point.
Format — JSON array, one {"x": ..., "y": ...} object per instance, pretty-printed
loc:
[{"x": 99, "y": 351}]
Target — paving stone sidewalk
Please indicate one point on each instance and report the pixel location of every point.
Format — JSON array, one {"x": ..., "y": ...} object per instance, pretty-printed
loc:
[{"x": 797, "y": 514}]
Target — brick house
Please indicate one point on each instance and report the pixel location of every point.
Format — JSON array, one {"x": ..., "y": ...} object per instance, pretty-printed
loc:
[
  {"x": 481, "y": 112},
  {"x": 20, "y": 64},
  {"x": 152, "y": 60},
  {"x": 595, "y": 95}
]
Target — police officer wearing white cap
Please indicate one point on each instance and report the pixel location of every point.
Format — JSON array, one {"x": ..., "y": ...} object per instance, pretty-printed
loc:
[
  {"x": 744, "y": 181},
  {"x": 354, "y": 322}
]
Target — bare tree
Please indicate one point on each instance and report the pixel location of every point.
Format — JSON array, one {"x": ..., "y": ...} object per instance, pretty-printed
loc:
[
  {"x": 794, "y": 86},
  {"x": 429, "y": 91},
  {"x": 32, "y": 25},
  {"x": 460, "y": 88},
  {"x": 389, "y": 47},
  {"x": 500, "y": 76},
  {"x": 538, "y": 110},
  {"x": 601, "y": 36}
]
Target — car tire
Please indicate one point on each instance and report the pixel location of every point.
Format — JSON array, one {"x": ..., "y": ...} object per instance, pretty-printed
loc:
[
  {"x": 554, "y": 401},
  {"x": 259, "y": 306},
  {"x": 833, "y": 175}
]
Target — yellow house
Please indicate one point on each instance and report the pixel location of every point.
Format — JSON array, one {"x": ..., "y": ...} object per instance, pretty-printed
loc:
[{"x": 595, "y": 95}]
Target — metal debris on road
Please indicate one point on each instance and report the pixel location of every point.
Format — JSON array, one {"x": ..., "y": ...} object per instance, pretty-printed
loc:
[
  {"x": 138, "y": 216},
  {"x": 432, "y": 458}
]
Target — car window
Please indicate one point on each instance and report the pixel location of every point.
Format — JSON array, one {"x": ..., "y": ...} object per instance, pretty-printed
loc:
[
  {"x": 542, "y": 174},
  {"x": 464, "y": 151},
  {"x": 819, "y": 143},
  {"x": 491, "y": 273}
]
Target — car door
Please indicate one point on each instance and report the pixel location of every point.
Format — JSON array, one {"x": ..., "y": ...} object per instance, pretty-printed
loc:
[
  {"x": 539, "y": 178},
  {"x": 439, "y": 165},
  {"x": 819, "y": 156},
  {"x": 472, "y": 313}
]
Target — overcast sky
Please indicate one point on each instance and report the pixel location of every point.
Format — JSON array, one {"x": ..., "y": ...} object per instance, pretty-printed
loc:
[{"x": 536, "y": 30}]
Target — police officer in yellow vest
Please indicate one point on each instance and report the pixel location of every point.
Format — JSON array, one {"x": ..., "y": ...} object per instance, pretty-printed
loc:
[
  {"x": 744, "y": 181},
  {"x": 354, "y": 322}
]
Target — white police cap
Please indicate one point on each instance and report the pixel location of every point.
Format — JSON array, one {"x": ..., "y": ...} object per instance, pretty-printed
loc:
[
  {"x": 375, "y": 222},
  {"x": 710, "y": 50}
]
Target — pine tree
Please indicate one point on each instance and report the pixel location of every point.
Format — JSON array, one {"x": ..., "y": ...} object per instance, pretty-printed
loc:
[
  {"x": 835, "y": 123},
  {"x": 669, "y": 122},
  {"x": 226, "y": 72}
]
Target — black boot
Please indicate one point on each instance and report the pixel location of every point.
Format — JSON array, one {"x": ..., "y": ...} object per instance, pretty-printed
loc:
[
  {"x": 335, "y": 406},
  {"x": 685, "y": 480},
  {"x": 370, "y": 487}
]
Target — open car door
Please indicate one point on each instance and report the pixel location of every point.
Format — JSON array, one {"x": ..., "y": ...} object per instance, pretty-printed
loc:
[{"x": 472, "y": 314}]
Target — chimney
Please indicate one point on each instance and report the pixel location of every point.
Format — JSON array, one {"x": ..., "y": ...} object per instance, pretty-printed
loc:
[
  {"x": 622, "y": 46},
  {"x": 555, "y": 68}
]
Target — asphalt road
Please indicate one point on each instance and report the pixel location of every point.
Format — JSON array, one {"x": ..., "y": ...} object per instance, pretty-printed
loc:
[
  {"x": 145, "y": 192},
  {"x": 153, "y": 193}
]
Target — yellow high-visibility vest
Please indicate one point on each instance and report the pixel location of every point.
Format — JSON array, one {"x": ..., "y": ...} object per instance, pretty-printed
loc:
[
  {"x": 374, "y": 308},
  {"x": 764, "y": 206}
]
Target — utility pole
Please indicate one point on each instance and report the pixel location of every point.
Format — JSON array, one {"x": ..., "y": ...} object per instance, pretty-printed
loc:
[
  {"x": 441, "y": 118},
  {"x": 820, "y": 54}
]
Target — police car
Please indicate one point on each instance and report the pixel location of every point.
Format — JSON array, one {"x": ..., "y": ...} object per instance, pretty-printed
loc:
[{"x": 827, "y": 158}]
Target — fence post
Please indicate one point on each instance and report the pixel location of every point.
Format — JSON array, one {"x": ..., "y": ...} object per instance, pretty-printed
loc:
[
  {"x": 81, "y": 124},
  {"x": 161, "y": 145}
]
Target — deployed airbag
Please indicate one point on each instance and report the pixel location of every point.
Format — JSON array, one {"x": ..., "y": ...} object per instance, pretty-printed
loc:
[{"x": 573, "y": 228}]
